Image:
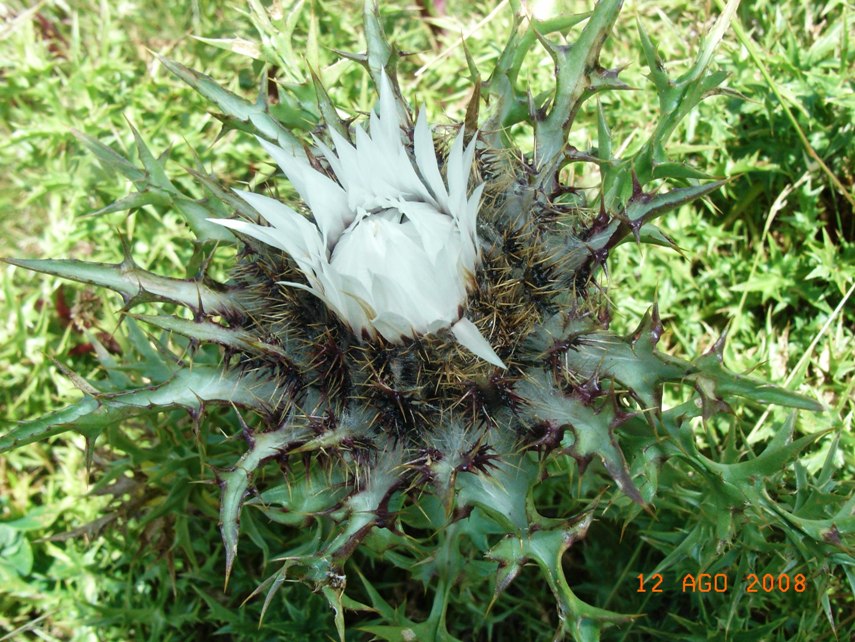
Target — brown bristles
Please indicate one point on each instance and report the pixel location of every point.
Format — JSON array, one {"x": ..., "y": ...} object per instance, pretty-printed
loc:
[{"x": 408, "y": 389}]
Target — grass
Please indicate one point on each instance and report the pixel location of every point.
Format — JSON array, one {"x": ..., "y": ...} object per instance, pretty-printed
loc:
[{"x": 770, "y": 258}]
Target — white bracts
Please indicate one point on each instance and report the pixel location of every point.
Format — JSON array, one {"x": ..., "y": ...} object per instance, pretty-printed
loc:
[{"x": 393, "y": 246}]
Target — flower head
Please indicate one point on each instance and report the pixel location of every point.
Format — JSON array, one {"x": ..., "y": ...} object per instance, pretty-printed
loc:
[{"x": 393, "y": 246}]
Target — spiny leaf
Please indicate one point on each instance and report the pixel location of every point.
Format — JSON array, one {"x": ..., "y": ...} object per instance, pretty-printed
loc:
[
  {"x": 188, "y": 388},
  {"x": 334, "y": 599},
  {"x": 51, "y": 424},
  {"x": 276, "y": 32},
  {"x": 503, "y": 493},
  {"x": 592, "y": 428},
  {"x": 197, "y": 214},
  {"x": 208, "y": 331},
  {"x": 224, "y": 197},
  {"x": 154, "y": 188},
  {"x": 110, "y": 158},
  {"x": 252, "y": 115},
  {"x": 679, "y": 171},
  {"x": 510, "y": 102},
  {"x": 300, "y": 501},
  {"x": 238, "y": 45},
  {"x": 136, "y": 200},
  {"x": 397, "y": 627},
  {"x": 575, "y": 67},
  {"x": 118, "y": 379},
  {"x": 778, "y": 453},
  {"x": 306, "y": 556},
  {"x": 380, "y": 56},
  {"x": 647, "y": 207},
  {"x": 546, "y": 548},
  {"x": 642, "y": 369},
  {"x": 678, "y": 97},
  {"x": 155, "y": 175},
  {"x": 604, "y": 137},
  {"x": 235, "y": 483},
  {"x": 725, "y": 384},
  {"x": 328, "y": 110},
  {"x": 572, "y": 256},
  {"x": 359, "y": 513},
  {"x": 136, "y": 284},
  {"x": 151, "y": 359},
  {"x": 653, "y": 235}
]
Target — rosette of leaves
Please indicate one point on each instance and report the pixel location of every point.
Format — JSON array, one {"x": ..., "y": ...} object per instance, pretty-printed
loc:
[{"x": 420, "y": 436}]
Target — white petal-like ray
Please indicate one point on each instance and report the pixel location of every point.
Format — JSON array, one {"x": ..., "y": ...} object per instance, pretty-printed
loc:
[
  {"x": 332, "y": 290},
  {"x": 388, "y": 108},
  {"x": 318, "y": 292},
  {"x": 291, "y": 228},
  {"x": 469, "y": 218},
  {"x": 307, "y": 265},
  {"x": 392, "y": 326},
  {"x": 332, "y": 158},
  {"x": 453, "y": 275},
  {"x": 354, "y": 299},
  {"x": 468, "y": 157},
  {"x": 425, "y": 153},
  {"x": 326, "y": 199},
  {"x": 435, "y": 230},
  {"x": 393, "y": 247},
  {"x": 348, "y": 173},
  {"x": 387, "y": 294},
  {"x": 456, "y": 175},
  {"x": 259, "y": 232},
  {"x": 375, "y": 166},
  {"x": 418, "y": 306},
  {"x": 469, "y": 337},
  {"x": 387, "y": 168},
  {"x": 458, "y": 194},
  {"x": 383, "y": 256}
]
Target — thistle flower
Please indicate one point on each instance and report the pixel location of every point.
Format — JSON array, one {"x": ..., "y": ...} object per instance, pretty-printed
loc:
[{"x": 394, "y": 247}]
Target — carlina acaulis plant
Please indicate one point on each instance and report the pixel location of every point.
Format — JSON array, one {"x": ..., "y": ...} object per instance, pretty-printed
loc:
[{"x": 418, "y": 337}]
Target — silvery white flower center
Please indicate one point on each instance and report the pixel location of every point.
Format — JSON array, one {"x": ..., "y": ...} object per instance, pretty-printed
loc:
[
  {"x": 411, "y": 271},
  {"x": 393, "y": 246}
]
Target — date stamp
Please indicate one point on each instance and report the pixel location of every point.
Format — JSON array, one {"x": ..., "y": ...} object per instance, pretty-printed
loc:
[{"x": 722, "y": 583}]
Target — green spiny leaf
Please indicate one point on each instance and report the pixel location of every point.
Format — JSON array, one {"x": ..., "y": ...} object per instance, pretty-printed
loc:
[
  {"x": 252, "y": 116},
  {"x": 380, "y": 56},
  {"x": 155, "y": 175},
  {"x": 208, "y": 331},
  {"x": 136, "y": 284},
  {"x": 51, "y": 424},
  {"x": 717, "y": 381},
  {"x": 503, "y": 493},
  {"x": 592, "y": 428},
  {"x": 328, "y": 110},
  {"x": 111, "y": 159},
  {"x": 574, "y": 69},
  {"x": 188, "y": 388},
  {"x": 546, "y": 548},
  {"x": 235, "y": 483},
  {"x": 299, "y": 502}
]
